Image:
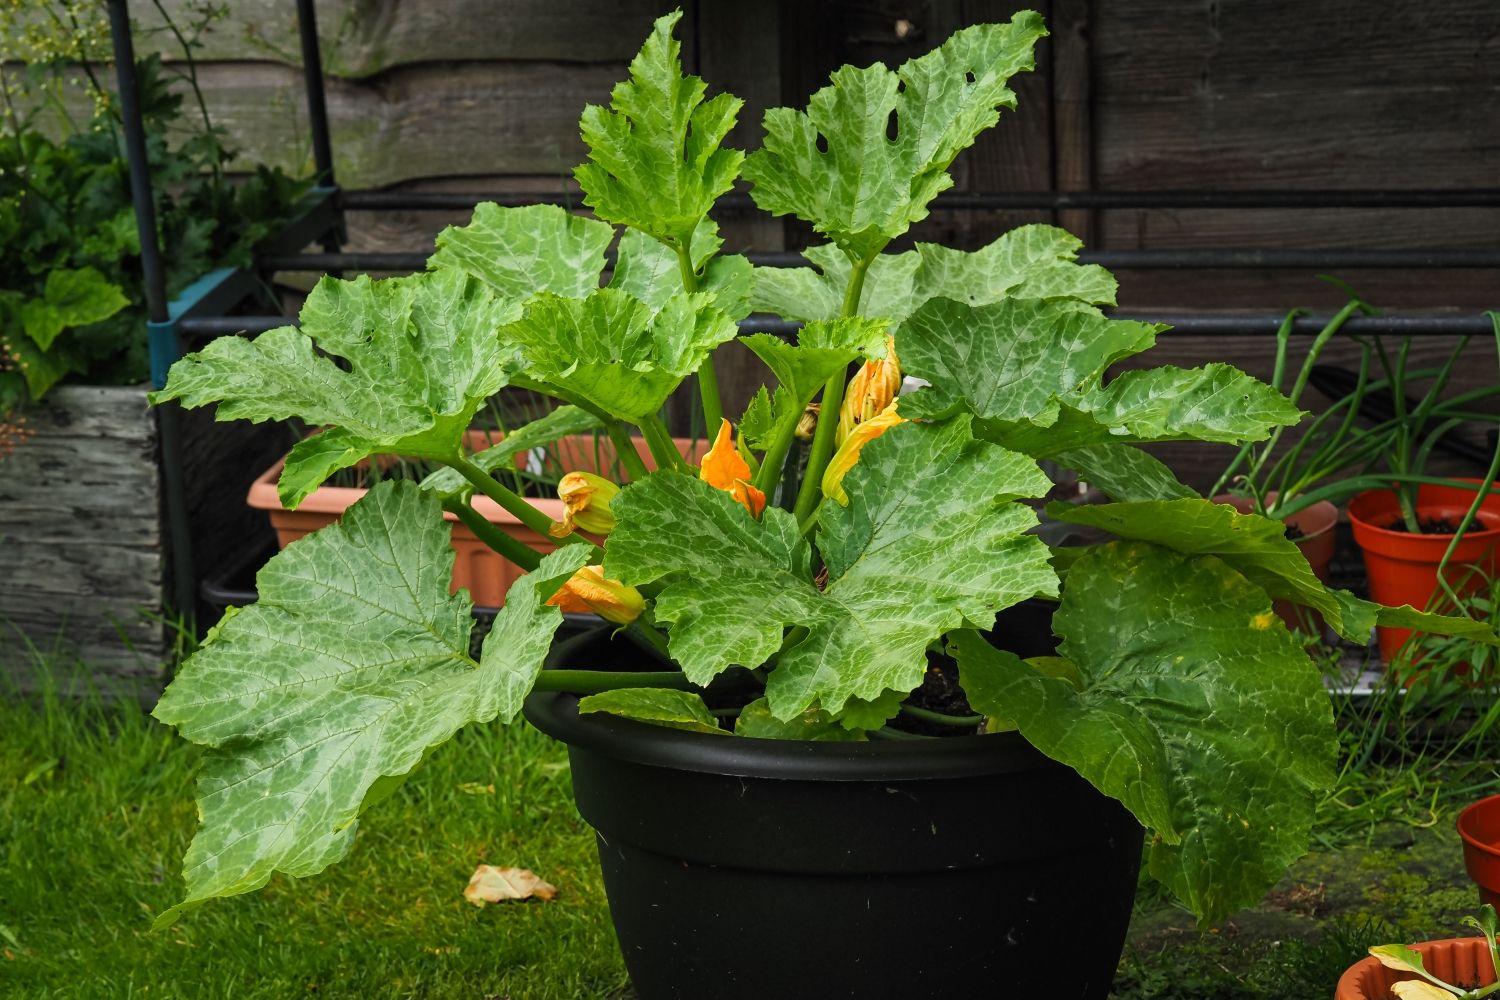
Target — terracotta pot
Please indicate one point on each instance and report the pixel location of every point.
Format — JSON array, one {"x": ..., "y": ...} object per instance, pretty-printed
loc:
[
  {"x": 478, "y": 568},
  {"x": 1402, "y": 567},
  {"x": 1317, "y": 544},
  {"x": 1479, "y": 826},
  {"x": 1461, "y": 961}
]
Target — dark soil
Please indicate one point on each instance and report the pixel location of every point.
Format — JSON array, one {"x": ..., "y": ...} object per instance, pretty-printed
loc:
[
  {"x": 939, "y": 693},
  {"x": 1293, "y": 532},
  {"x": 1429, "y": 526}
]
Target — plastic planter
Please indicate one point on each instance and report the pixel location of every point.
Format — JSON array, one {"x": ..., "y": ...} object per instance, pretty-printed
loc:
[
  {"x": 1402, "y": 567},
  {"x": 1461, "y": 961},
  {"x": 1479, "y": 826},
  {"x": 739, "y": 868},
  {"x": 478, "y": 568}
]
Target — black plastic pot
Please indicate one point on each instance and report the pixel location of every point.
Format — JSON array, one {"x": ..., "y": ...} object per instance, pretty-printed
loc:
[{"x": 965, "y": 866}]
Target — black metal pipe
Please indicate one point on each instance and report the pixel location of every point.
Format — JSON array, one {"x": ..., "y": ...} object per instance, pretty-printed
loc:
[
  {"x": 977, "y": 200},
  {"x": 154, "y": 289},
  {"x": 1205, "y": 259},
  {"x": 317, "y": 107},
  {"x": 1193, "y": 324}
]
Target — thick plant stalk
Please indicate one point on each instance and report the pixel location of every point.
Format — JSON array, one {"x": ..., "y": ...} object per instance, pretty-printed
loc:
[
  {"x": 517, "y": 552},
  {"x": 828, "y": 416},
  {"x": 509, "y": 500},
  {"x": 708, "y": 376}
]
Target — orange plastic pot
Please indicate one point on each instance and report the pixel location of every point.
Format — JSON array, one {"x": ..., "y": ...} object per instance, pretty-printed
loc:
[
  {"x": 1402, "y": 567},
  {"x": 477, "y": 568},
  {"x": 1461, "y": 961},
  {"x": 1479, "y": 826},
  {"x": 1317, "y": 544}
]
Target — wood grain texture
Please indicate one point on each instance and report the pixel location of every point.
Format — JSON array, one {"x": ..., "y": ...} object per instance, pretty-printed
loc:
[
  {"x": 360, "y": 38},
  {"x": 81, "y": 543}
]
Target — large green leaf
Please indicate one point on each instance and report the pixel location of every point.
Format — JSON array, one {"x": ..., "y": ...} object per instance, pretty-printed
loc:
[
  {"x": 422, "y": 356},
  {"x": 520, "y": 251},
  {"x": 70, "y": 298},
  {"x": 1030, "y": 262},
  {"x": 756, "y": 722},
  {"x": 1204, "y": 717},
  {"x": 352, "y": 664},
  {"x": 656, "y": 162},
  {"x": 1032, "y": 371},
  {"x": 1124, "y": 472},
  {"x": 1014, "y": 359},
  {"x": 838, "y": 167},
  {"x": 650, "y": 271},
  {"x": 1258, "y": 548},
  {"x": 930, "y": 541},
  {"x": 541, "y": 432},
  {"x": 613, "y": 351}
]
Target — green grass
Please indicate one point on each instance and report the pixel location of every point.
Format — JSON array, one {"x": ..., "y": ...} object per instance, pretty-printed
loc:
[{"x": 96, "y": 807}]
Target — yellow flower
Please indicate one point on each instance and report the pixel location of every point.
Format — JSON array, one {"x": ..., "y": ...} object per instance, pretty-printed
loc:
[
  {"x": 586, "y": 499},
  {"x": 870, "y": 391},
  {"x": 725, "y": 469},
  {"x": 848, "y": 454},
  {"x": 587, "y": 590}
]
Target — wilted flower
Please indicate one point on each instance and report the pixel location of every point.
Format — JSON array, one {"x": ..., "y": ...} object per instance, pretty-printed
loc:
[
  {"x": 808, "y": 422},
  {"x": 586, "y": 498},
  {"x": 724, "y": 468},
  {"x": 587, "y": 590},
  {"x": 870, "y": 391},
  {"x": 848, "y": 454}
]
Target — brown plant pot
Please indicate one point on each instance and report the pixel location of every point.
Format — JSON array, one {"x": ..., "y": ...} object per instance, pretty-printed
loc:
[
  {"x": 1402, "y": 567},
  {"x": 1479, "y": 828},
  {"x": 1317, "y": 544},
  {"x": 478, "y": 568},
  {"x": 1461, "y": 961}
]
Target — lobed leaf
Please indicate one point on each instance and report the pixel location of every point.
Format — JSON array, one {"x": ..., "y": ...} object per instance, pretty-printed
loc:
[
  {"x": 1124, "y": 472},
  {"x": 1030, "y": 262},
  {"x": 649, "y": 271},
  {"x": 930, "y": 541},
  {"x": 838, "y": 166},
  {"x": 825, "y": 349},
  {"x": 1204, "y": 717},
  {"x": 656, "y": 160},
  {"x": 614, "y": 352},
  {"x": 317, "y": 699},
  {"x": 562, "y": 422},
  {"x": 756, "y": 722},
  {"x": 520, "y": 251},
  {"x": 70, "y": 298},
  {"x": 421, "y": 355}
]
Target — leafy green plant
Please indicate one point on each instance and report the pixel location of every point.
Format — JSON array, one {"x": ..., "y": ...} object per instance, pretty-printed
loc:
[
  {"x": 71, "y": 300},
  {"x": 1429, "y": 987},
  {"x": 1176, "y": 689}
]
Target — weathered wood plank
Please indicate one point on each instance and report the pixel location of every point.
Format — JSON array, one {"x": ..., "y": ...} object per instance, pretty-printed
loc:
[
  {"x": 359, "y": 38},
  {"x": 417, "y": 121},
  {"x": 1154, "y": 48}
]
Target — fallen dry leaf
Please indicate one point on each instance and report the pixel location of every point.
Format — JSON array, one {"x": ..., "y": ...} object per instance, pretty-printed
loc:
[
  {"x": 489, "y": 884},
  {"x": 475, "y": 788}
]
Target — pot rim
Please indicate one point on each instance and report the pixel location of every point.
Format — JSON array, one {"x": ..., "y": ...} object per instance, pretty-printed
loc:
[
  {"x": 1469, "y": 839},
  {"x": 1491, "y": 504},
  {"x": 1349, "y": 980},
  {"x": 556, "y": 714}
]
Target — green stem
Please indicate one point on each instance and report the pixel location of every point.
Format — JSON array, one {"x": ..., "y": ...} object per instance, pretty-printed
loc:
[
  {"x": 508, "y": 500},
  {"x": 517, "y": 552},
  {"x": 942, "y": 719},
  {"x": 625, "y": 450},
  {"x": 708, "y": 377},
  {"x": 811, "y": 490},
  {"x": 648, "y": 636},
  {"x": 772, "y": 465},
  {"x": 597, "y": 681},
  {"x": 1479, "y": 497},
  {"x": 663, "y": 448}
]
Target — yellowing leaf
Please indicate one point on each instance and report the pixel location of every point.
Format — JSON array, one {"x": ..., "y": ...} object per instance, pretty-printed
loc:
[
  {"x": 1398, "y": 957},
  {"x": 489, "y": 884},
  {"x": 1415, "y": 989}
]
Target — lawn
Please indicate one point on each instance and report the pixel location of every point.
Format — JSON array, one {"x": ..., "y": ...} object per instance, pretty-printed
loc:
[{"x": 96, "y": 809}]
